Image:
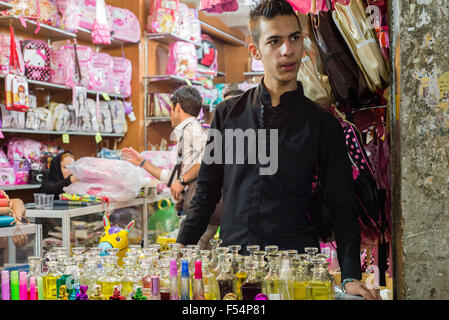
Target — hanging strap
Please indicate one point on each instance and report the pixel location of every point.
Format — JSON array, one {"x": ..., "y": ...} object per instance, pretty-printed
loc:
[
  {"x": 329, "y": 5},
  {"x": 13, "y": 57}
]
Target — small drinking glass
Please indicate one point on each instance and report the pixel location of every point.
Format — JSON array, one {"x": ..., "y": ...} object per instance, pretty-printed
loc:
[
  {"x": 39, "y": 200},
  {"x": 48, "y": 201}
]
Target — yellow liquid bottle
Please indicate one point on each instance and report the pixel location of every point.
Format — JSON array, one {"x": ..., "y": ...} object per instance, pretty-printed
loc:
[
  {"x": 319, "y": 290},
  {"x": 299, "y": 290},
  {"x": 49, "y": 281},
  {"x": 241, "y": 277},
  {"x": 107, "y": 288},
  {"x": 109, "y": 279}
]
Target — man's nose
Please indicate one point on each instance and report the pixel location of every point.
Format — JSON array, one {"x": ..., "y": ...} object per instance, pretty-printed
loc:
[{"x": 286, "y": 49}]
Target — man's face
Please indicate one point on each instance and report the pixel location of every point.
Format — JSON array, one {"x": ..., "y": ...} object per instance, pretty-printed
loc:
[
  {"x": 280, "y": 47},
  {"x": 174, "y": 115}
]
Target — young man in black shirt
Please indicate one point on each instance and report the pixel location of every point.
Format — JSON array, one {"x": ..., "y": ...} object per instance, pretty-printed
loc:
[{"x": 267, "y": 205}]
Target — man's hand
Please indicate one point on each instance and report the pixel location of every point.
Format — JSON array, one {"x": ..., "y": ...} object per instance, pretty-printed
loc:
[
  {"x": 358, "y": 288},
  {"x": 176, "y": 190},
  {"x": 131, "y": 155}
]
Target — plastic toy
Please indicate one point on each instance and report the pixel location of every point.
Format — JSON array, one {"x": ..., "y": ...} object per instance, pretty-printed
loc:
[
  {"x": 81, "y": 295},
  {"x": 115, "y": 237},
  {"x": 97, "y": 294},
  {"x": 63, "y": 293},
  {"x": 117, "y": 294},
  {"x": 138, "y": 294}
]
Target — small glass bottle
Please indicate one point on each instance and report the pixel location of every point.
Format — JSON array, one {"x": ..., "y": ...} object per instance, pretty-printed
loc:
[
  {"x": 286, "y": 283},
  {"x": 252, "y": 248},
  {"x": 174, "y": 285},
  {"x": 235, "y": 254},
  {"x": 269, "y": 250},
  {"x": 318, "y": 287},
  {"x": 215, "y": 243},
  {"x": 198, "y": 285},
  {"x": 220, "y": 251},
  {"x": 241, "y": 275},
  {"x": 164, "y": 278},
  {"x": 209, "y": 279},
  {"x": 260, "y": 264},
  {"x": 97, "y": 295},
  {"x": 272, "y": 280},
  {"x": 49, "y": 279},
  {"x": 185, "y": 280},
  {"x": 155, "y": 293},
  {"x": 90, "y": 276},
  {"x": 109, "y": 279},
  {"x": 252, "y": 285},
  {"x": 300, "y": 280},
  {"x": 129, "y": 278},
  {"x": 70, "y": 277},
  {"x": 227, "y": 282},
  {"x": 146, "y": 276}
]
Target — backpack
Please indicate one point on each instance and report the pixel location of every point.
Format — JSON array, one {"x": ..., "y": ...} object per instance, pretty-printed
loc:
[
  {"x": 102, "y": 72},
  {"x": 62, "y": 67},
  {"x": 70, "y": 14},
  {"x": 207, "y": 53},
  {"x": 163, "y": 16},
  {"x": 117, "y": 110},
  {"x": 121, "y": 76},
  {"x": 5, "y": 41},
  {"x": 125, "y": 24},
  {"x": 36, "y": 56},
  {"x": 182, "y": 61},
  {"x": 84, "y": 55},
  {"x": 48, "y": 12}
]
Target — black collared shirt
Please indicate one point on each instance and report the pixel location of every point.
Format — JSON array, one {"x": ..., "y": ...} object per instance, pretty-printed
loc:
[{"x": 271, "y": 209}]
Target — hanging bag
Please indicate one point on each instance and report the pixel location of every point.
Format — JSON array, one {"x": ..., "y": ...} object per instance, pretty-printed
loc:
[
  {"x": 352, "y": 22},
  {"x": 36, "y": 56},
  {"x": 101, "y": 32},
  {"x": 346, "y": 79}
]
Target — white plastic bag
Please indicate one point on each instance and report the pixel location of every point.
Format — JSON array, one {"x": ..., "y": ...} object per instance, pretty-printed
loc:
[{"x": 107, "y": 177}]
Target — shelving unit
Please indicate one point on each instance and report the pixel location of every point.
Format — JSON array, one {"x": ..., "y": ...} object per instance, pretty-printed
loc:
[
  {"x": 20, "y": 187},
  {"x": 86, "y": 35},
  {"x": 172, "y": 79},
  {"x": 254, "y": 74},
  {"x": 150, "y": 120},
  {"x": 71, "y": 133},
  {"x": 169, "y": 38},
  {"x": 229, "y": 38}
]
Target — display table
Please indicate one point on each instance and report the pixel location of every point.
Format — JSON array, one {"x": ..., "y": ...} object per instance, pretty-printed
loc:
[
  {"x": 20, "y": 230},
  {"x": 66, "y": 214}
]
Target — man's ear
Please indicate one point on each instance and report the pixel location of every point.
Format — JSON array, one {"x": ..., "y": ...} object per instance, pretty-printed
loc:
[
  {"x": 178, "y": 108},
  {"x": 253, "y": 51}
]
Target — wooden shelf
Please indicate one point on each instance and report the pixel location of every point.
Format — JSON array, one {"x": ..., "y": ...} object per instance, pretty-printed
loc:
[
  {"x": 209, "y": 29},
  {"x": 45, "y": 31},
  {"x": 86, "y": 35},
  {"x": 150, "y": 120},
  {"x": 70, "y": 133},
  {"x": 169, "y": 38},
  {"x": 20, "y": 187},
  {"x": 171, "y": 78}
]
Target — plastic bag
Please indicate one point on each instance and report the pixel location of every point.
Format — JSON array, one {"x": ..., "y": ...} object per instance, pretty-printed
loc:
[{"x": 105, "y": 177}]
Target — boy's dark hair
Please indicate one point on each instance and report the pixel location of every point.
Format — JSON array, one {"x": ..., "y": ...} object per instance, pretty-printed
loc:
[
  {"x": 267, "y": 9},
  {"x": 189, "y": 98}
]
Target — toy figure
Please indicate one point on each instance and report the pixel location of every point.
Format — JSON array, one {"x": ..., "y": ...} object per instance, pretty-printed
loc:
[
  {"x": 74, "y": 293},
  {"x": 97, "y": 294},
  {"x": 117, "y": 295},
  {"x": 81, "y": 295},
  {"x": 63, "y": 293},
  {"x": 138, "y": 294},
  {"x": 115, "y": 237}
]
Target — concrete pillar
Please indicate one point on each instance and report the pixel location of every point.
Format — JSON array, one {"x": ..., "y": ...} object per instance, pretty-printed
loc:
[{"x": 420, "y": 147}]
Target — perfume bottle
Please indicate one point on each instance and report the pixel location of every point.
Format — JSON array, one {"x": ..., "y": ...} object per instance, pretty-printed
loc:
[
  {"x": 209, "y": 279},
  {"x": 272, "y": 280},
  {"x": 300, "y": 280},
  {"x": 146, "y": 276},
  {"x": 215, "y": 243},
  {"x": 90, "y": 276},
  {"x": 269, "y": 250},
  {"x": 185, "y": 280},
  {"x": 252, "y": 285},
  {"x": 241, "y": 275},
  {"x": 260, "y": 264},
  {"x": 117, "y": 294},
  {"x": 129, "y": 278},
  {"x": 174, "y": 286},
  {"x": 198, "y": 285},
  {"x": 325, "y": 264},
  {"x": 35, "y": 264},
  {"x": 164, "y": 278},
  {"x": 62, "y": 294},
  {"x": 227, "y": 281},
  {"x": 109, "y": 279},
  {"x": 235, "y": 255},
  {"x": 155, "y": 293},
  {"x": 49, "y": 279},
  {"x": 220, "y": 251},
  {"x": 318, "y": 288},
  {"x": 286, "y": 283}
]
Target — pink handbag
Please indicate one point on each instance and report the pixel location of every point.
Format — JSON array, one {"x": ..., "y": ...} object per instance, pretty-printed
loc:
[
  {"x": 125, "y": 24},
  {"x": 70, "y": 14},
  {"x": 62, "y": 67},
  {"x": 102, "y": 72},
  {"x": 182, "y": 60},
  {"x": 121, "y": 78},
  {"x": 85, "y": 57}
]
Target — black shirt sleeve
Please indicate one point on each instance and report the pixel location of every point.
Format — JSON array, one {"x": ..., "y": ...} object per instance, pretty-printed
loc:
[
  {"x": 208, "y": 190},
  {"x": 56, "y": 188},
  {"x": 339, "y": 190}
]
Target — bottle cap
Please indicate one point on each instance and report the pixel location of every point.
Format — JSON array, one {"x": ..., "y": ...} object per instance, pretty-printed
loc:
[
  {"x": 173, "y": 268},
  {"x": 198, "y": 270},
  {"x": 185, "y": 269},
  {"x": 154, "y": 285}
]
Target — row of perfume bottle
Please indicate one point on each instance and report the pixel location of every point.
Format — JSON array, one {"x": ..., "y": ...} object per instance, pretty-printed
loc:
[{"x": 187, "y": 273}]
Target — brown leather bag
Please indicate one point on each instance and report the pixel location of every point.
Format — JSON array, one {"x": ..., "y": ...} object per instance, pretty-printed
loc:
[{"x": 347, "y": 81}]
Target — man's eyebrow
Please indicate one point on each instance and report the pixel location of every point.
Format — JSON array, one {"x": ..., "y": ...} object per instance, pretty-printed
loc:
[{"x": 275, "y": 37}]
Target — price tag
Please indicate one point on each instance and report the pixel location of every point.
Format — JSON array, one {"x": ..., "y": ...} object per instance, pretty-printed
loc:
[
  {"x": 132, "y": 116},
  {"x": 65, "y": 138},
  {"x": 106, "y": 96},
  {"x": 98, "y": 137},
  {"x": 188, "y": 82}
]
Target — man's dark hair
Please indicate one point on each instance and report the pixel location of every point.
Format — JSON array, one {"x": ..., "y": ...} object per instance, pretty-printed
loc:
[
  {"x": 189, "y": 98},
  {"x": 267, "y": 9}
]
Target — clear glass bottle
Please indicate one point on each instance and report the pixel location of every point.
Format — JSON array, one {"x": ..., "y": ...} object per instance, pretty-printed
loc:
[
  {"x": 209, "y": 279},
  {"x": 49, "y": 279},
  {"x": 260, "y": 265},
  {"x": 251, "y": 249},
  {"x": 318, "y": 287},
  {"x": 174, "y": 284},
  {"x": 198, "y": 284},
  {"x": 241, "y": 275},
  {"x": 300, "y": 280},
  {"x": 129, "y": 278},
  {"x": 146, "y": 276},
  {"x": 215, "y": 243},
  {"x": 164, "y": 278},
  {"x": 185, "y": 280},
  {"x": 220, "y": 251},
  {"x": 70, "y": 276},
  {"x": 271, "y": 282},
  {"x": 227, "y": 281},
  {"x": 90, "y": 276},
  {"x": 322, "y": 260},
  {"x": 252, "y": 285},
  {"x": 235, "y": 254},
  {"x": 269, "y": 250},
  {"x": 109, "y": 279},
  {"x": 286, "y": 280}
]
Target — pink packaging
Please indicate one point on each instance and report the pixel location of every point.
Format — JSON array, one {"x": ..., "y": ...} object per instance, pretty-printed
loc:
[
  {"x": 4, "y": 161},
  {"x": 125, "y": 24},
  {"x": 182, "y": 60},
  {"x": 163, "y": 16},
  {"x": 19, "y": 149},
  {"x": 256, "y": 65},
  {"x": 48, "y": 12},
  {"x": 7, "y": 176},
  {"x": 36, "y": 56},
  {"x": 62, "y": 67},
  {"x": 122, "y": 74},
  {"x": 70, "y": 14},
  {"x": 5, "y": 40},
  {"x": 102, "y": 72},
  {"x": 161, "y": 159},
  {"x": 85, "y": 57}
]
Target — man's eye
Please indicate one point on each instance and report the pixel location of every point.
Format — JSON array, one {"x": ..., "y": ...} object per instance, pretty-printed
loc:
[
  {"x": 273, "y": 42},
  {"x": 295, "y": 38}
]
